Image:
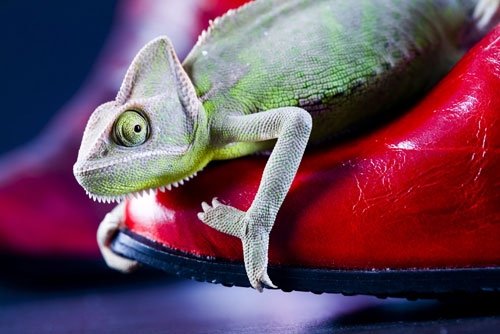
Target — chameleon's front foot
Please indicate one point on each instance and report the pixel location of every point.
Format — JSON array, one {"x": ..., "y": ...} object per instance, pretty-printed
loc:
[
  {"x": 255, "y": 253},
  {"x": 254, "y": 237},
  {"x": 105, "y": 233}
]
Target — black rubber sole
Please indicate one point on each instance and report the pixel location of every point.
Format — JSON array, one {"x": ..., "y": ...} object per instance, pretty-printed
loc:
[{"x": 411, "y": 284}]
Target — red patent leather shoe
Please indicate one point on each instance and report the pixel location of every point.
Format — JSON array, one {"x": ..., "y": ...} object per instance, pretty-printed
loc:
[{"x": 409, "y": 209}]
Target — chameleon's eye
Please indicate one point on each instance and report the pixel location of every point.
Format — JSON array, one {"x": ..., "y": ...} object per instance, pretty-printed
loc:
[{"x": 131, "y": 129}]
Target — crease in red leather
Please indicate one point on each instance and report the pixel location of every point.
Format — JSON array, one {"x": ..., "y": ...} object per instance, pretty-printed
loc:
[{"x": 420, "y": 192}]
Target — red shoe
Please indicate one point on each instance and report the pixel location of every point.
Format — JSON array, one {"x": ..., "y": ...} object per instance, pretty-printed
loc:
[{"x": 411, "y": 209}]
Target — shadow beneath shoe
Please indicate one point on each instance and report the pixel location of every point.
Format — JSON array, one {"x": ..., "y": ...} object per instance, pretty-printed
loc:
[
  {"x": 464, "y": 315},
  {"x": 52, "y": 275}
]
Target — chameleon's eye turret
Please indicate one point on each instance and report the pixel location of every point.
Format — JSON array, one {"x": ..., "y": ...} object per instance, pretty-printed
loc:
[{"x": 131, "y": 129}]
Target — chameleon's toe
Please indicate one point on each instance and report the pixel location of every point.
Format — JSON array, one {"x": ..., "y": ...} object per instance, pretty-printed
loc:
[
  {"x": 106, "y": 231},
  {"x": 118, "y": 262},
  {"x": 205, "y": 206},
  {"x": 267, "y": 281},
  {"x": 108, "y": 228},
  {"x": 257, "y": 283},
  {"x": 222, "y": 217},
  {"x": 215, "y": 202}
]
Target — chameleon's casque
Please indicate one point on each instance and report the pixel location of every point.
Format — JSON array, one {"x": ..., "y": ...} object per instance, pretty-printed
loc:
[{"x": 273, "y": 74}]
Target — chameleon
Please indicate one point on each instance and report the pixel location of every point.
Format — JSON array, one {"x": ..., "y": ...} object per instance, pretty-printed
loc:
[{"x": 272, "y": 75}]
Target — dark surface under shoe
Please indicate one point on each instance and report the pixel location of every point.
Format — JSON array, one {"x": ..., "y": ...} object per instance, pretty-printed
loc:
[{"x": 167, "y": 305}]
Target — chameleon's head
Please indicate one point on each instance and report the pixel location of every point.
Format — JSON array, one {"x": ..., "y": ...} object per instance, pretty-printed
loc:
[{"x": 153, "y": 135}]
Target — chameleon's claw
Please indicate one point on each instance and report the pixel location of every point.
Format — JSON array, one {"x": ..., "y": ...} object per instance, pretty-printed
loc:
[
  {"x": 267, "y": 281},
  {"x": 205, "y": 206},
  {"x": 257, "y": 285},
  {"x": 215, "y": 202},
  {"x": 222, "y": 217}
]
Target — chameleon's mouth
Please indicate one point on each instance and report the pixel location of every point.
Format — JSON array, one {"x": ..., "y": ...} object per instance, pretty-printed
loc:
[{"x": 140, "y": 193}]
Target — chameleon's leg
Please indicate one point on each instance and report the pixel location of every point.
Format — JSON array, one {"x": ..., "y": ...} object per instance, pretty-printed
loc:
[
  {"x": 292, "y": 127},
  {"x": 108, "y": 228}
]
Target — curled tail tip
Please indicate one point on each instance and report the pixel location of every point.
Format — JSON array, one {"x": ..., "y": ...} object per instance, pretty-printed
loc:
[{"x": 486, "y": 14}]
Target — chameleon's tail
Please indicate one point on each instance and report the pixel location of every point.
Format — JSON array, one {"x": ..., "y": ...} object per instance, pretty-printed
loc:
[{"x": 486, "y": 14}]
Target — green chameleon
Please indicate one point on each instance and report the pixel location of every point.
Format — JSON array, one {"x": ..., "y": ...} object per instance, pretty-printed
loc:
[{"x": 270, "y": 75}]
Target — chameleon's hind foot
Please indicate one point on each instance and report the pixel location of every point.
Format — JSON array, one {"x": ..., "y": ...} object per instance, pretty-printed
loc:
[{"x": 255, "y": 238}]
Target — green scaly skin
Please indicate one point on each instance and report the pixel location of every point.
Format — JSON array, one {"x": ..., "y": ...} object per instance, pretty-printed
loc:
[{"x": 273, "y": 74}]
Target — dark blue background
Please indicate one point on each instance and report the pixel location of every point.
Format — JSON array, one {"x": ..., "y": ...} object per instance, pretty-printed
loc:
[{"x": 48, "y": 48}]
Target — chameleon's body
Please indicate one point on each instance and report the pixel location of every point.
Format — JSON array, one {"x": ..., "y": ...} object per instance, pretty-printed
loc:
[
  {"x": 339, "y": 60},
  {"x": 285, "y": 70}
]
